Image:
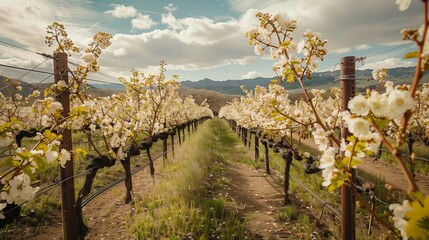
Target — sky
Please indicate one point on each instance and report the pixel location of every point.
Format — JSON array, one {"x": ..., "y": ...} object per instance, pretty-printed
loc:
[{"x": 201, "y": 38}]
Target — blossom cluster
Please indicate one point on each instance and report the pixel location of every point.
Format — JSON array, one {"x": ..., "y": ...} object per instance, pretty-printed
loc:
[{"x": 294, "y": 61}]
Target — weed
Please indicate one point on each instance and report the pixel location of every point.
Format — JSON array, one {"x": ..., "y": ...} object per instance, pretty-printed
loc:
[
  {"x": 215, "y": 207},
  {"x": 40, "y": 210},
  {"x": 304, "y": 220},
  {"x": 287, "y": 214}
]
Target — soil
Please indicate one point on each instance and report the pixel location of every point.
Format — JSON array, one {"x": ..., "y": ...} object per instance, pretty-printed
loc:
[{"x": 259, "y": 197}]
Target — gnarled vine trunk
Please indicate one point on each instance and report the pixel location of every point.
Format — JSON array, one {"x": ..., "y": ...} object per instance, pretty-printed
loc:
[
  {"x": 288, "y": 157},
  {"x": 96, "y": 164}
]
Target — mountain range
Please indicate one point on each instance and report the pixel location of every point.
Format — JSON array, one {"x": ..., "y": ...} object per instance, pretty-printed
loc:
[{"x": 322, "y": 80}]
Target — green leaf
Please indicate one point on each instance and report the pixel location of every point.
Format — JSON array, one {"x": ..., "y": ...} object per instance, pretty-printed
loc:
[
  {"x": 342, "y": 163},
  {"x": 336, "y": 182},
  {"x": 290, "y": 78},
  {"x": 381, "y": 123},
  {"x": 355, "y": 162},
  {"x": 411, "y": 55}
]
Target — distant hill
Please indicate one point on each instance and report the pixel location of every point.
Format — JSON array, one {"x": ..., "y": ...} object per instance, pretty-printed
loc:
[
  {"x": 215, "y": 99},
  {"x": 323, "y": 80}
]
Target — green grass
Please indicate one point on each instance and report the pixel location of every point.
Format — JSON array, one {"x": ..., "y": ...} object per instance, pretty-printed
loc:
[
  {"x": 289, "y": 213},
  {"x": 40, "y": 211},
  {"x": 181, "y": 205}
]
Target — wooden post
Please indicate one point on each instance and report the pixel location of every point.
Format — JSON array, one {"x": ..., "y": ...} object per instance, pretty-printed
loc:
[
  {"x": 245, "y": 136},
  {"x": 348, "y": 84},
  {"x": 172, "y": 144},
  {"x": 164, "y": 146},
  {"x": 68, "y": 205},
  {"x": 249, "y": 141},
  {"x": 178, "y": 135},
  {"x": 267, "y": 158},
  {"x": 164, "y": 149},
  {"x": 256, "y": 148}
]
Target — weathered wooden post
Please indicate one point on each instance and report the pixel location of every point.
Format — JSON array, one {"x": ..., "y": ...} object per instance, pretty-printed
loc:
[
  {"x": 256, "y": 148},
  {"x": 68, "y": 205},
  {"x": 267, "y": 158},
  {"x": 348, "y": 85}
]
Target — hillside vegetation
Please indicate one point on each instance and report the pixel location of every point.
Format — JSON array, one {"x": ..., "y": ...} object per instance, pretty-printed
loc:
[{"x": 215, "y": 99}]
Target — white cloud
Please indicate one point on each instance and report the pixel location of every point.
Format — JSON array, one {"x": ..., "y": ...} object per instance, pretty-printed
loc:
[
  {"x": 24, "y": 23},
  {"x": 344, "y": 23},
  {"x": 251, "y": 75},
  {"x": 122, "y": 11},
  {"x": 205, "y": 31},
  {"x": 242, "y": 61},
  {"x": 24, "y": 63},
  {"x": 342, "y": 50},
  {"x": 119, "y": 52},
  {"x": 40, "y": 65},
  {"x": 389, "y": 63},
  {"x": 242, "y": 6},
  {"x": 171, "y": 21},
  {"x": 188, "y": 44},
  {"x": 196, "y": 45},
  {"x": 142, "y": 22},
  {"x": 170, "y": 7},
  {"x": 363, "y": 47}
]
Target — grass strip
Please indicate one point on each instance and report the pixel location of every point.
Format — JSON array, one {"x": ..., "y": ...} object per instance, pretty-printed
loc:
[{"x": 181, "y": 205}]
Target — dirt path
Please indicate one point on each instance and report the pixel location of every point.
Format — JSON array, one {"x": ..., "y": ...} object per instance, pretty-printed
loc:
[{"x": 259, "y": 198}]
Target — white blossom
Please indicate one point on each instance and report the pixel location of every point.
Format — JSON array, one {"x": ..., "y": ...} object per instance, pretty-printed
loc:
[
  {"x": 378, "y": 103},
  {"x": 327, "y": 175},
  {"x": 403, "y": 4},
  {"x": 65, "y": 156},
  {"x": 321, "y": 138},
  {"x": 379, "y": 74},
  {"x": 359, "y": 105},
  {"x": 51, "y": 155},
  {"x": 374, "y": 143},
  {"x": 46, "y": 121},
  {"x": 399, "y": 212},
  {"x": 62, "y": 84},
  {"x": 328, "y": 158},
  {"x": 89, "y": 58},
  {"x": 398, "y": 102},
  {"x": 259, "y": 50},
  {"x": 20, "y": 190},
  {"x": 359, "y": 127}
]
